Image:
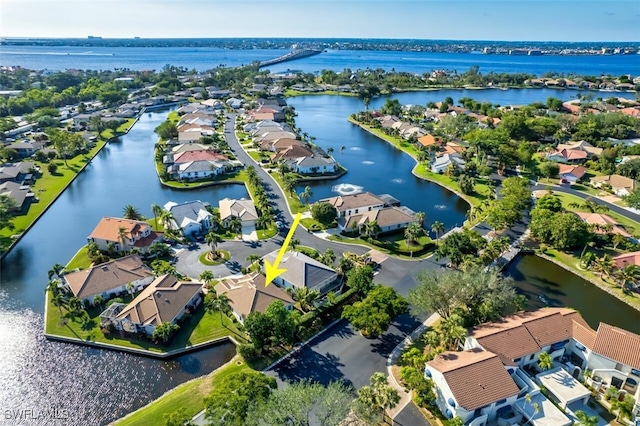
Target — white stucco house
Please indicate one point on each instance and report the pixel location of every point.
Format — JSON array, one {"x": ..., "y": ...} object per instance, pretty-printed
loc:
[{"x": 189, "y": 217}]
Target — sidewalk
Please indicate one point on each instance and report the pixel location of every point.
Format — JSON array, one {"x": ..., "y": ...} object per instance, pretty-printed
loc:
[{"x": 405, "y": 396}]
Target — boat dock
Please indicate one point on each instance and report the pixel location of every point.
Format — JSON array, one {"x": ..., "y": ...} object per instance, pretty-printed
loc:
[{"x": 295, "y": 54}]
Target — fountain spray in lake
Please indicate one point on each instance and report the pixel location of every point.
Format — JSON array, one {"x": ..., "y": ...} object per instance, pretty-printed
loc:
[
  {"x": 355, "y": 148},
  {"x": 440, "y": 207},
  {"x": 367, "y": 162},
  {"x": 347, "y": 189},
  {"x": 397, "y": 180}
]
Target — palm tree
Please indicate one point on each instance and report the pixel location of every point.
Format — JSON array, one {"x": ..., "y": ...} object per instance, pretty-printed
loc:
[
  {"x": 628, "y": 274},
  {"x": 305, "y": 298},
  {"x": 342, "y": 148},
  {"x": 438, "y": 228},
  {"x": 219, "y": 302},
  {"x": 156, "y": 210},
  {"x": 294, "y": 243},
  {"x": 53, "y": 287},
  {"x": 98, "y": 300},
  {"x": 235, "y": 225},
  {"x": 122, "y": 236},
  {"x": 206, "y": 277},
  {"x": 372, "y": 229},
  {"x": 328, "y": 257},
  {"x": 289, "y": 184},
  {"x": 452, "y": 332},
  {"x": 604, "y": 265},
  {"x": 130, "y": 288},
  {"x": 545, "y": 362},
  {"x": 306, "y": 194},
  {"x": 420, "y": 217},
  {"x": 253, "y": 258},
  {"x": 130, "y": 212},
  {"x": 166, "y": 217},
  {"x": 263, "y": 222},
  {"x": 56, "y": 271},
  {"x": 413, "y": 232},
  {"x": 329, "y": 151},
  {"x": 212, "y": 239},
  {"x": 59, "y": 300}
]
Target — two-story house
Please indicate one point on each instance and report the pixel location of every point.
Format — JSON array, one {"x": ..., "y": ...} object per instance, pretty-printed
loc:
[
  {"x": 303, "y": 271},
  {"x": 123, "y": 235}
]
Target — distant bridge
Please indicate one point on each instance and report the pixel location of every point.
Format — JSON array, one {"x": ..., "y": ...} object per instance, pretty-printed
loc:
[{"x": 295, "y": 54}]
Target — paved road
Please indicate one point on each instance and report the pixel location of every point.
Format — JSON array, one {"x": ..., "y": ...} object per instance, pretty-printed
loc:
[{"x": 410, "y": 416}]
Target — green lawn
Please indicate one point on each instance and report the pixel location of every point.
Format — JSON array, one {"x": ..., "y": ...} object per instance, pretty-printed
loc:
[
  {"x": 189, "y": 396},
  {"x": 198, "y": 328},
  {"x": 295, "y": 205},
  {"x": 223, "y": 256},
  {"x": 123, "y": 128},
  {"x": 394, "y": 245},
  {"x": 263, "y": 234},
  {"x": 589, "y": 190},
  {"x": 308, "y": 222},
  {"x": 79, "y": 261},
  {"x": 309, "y": 251},
  {"x": 631, "y": 226},
  {"x": 46, "y": 188}
]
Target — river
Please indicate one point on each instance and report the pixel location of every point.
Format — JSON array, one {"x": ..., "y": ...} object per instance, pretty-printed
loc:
[
  {"x": 59, "y": 58},
  {"x": 98, "y": 386}
]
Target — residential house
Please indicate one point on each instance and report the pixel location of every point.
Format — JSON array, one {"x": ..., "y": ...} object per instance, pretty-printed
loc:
[
  {"x": 165, "y": 300},
  {"x": 123, "y": 234},
  {"x": 194, "y": 155},
  {"x": 567, "y": 156},
  {"x": 571, "y": 173},
  {"x": 471, "y": 384},
  {"x": 189, "y": 217},
  {"x": 582, "y": 146},
  {"x": 190, "y": 147},
  {"x": 313, "y": 164},
  {"x": 621, "y": 186},
  {"x": 109, "y": 279},
  {"x": 348, "y": 205},
  {"x": 275, "y": 145},
  {"x": 389, "y": 219},
  {"x": 625, "y": 259},
  {"x": 26, "y": 149},
  {"x": 200, "y": 169},
  {"x": 234, "y": 103},
  {"x": 271, "y": 136},
  {"x": 443, "y": 162},
  {"x": 428, "y": 141},
  {"x": 603, "y": 224},
  {"x": 291, "y": 152},
  {"x": 17, "y": 172},
  {"x": 248, "y": 293},
  {"x": 243, "y": 209},
  {"x": 301, "y": 271},
  {"x": 387, "y": 121},
  {"x": 21, "y": 194}
]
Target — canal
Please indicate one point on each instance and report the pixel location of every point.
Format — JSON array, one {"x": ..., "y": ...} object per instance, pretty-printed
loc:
[
  {"x": 99, "y": 386},
  {"x": 95, "y": 386}
]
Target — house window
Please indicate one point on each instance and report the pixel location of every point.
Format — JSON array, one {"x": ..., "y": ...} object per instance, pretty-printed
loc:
[
  {"x": 619, "y": 366},
  {"x": 502, "y": 401},
  {"x": 356, "y": 211},
  {"x": 517, "y": 360}
]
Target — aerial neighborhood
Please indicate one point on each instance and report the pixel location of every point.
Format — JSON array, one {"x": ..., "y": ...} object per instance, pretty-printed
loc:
[{"x": 556, "y": 181}]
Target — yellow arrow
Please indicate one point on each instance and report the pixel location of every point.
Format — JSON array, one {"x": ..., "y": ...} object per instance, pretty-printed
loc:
[{"x": 273, "y": 271}]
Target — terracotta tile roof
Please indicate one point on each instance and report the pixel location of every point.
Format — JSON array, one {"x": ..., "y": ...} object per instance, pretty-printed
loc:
[
  {"x": 107, "y": 276},
  {"x": 295, "y": 151},
  {"x": 108, "y": 228},
  {"x": 525, "y": 333},
  {"x": 160, "y": 302},
  {"x": 584, "y": 334},
  {"x": 625, "y": 259},
  {"x": 616, "y": 181},
  {"x": 428, "y": 140},
  {"x": 187, "y": 156},
  {"x": 476, "y": 378},
  {"x": 577, "y": 171},
  {"x": 353, "y": 201},
  {"x": 570, "y": 154},
  {"x": 619, "y": 345},
  {"x": 602, "y": 220},
  {"x": 280, "y": 144},
  {"x": 248, "y": 293}
]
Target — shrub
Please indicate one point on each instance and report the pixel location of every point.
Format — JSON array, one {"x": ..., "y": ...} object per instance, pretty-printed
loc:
[
  {"x": 248, "y": 351},
  {"x": 52, "y": 167}
]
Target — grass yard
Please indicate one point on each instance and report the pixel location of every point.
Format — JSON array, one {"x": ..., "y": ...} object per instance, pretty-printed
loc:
[
  {"x": 295, "y": 205},
  {"x": 198, "y": 328},
  {"x": 189, "y": 396},
  {"x": 631, "y": 226},
  {"x": 309, "y": 251},
  {"x": 308, "y": 222},
  {"x": 394, "y": 245},
  {"x": 264, "y": 234},
  {"x": 223, "y": 256},
  {"x": 79, "y": 261}
]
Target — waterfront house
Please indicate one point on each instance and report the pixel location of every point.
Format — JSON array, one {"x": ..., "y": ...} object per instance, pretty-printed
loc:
[
  {"x": 441, "y": 163},
  {"x": 428, "y": 141},
  {"x": 189, "y": 217},
  {"x": 621, "y": 185},
  {"x": 626, "y": 259},
  {"x": 271, "y": 136},
  {"x": 165, "y": 300},
  {"x": 109, "y": 279},
  {"x": 301, "y": 271},
  {"x": 190, "y": 147},
  {"x": 581, "y": 146},
  {"x": 292, "y": 152},
  {"x": 21, "y": 194},
  {"x": 348, "y": 205},
  {"x": 276, "y": 145},
  {"x": 389, "y": 219},
  {"x": 313, "y": 164},
  {"x": 123, "y": 235},
  {"x": 248, "y": 293},
  {"x": 603, "y": 224},
  {"x": 471, "y": 384},
  {"x": 243, "y": 209},
  {"x": 571, "y": 173},
  {"x": 17, "y": 172},
  {"x": 200, "y": 169},
  {"x": 26, "y": 149},
  {"x": 194, "y": 155}
]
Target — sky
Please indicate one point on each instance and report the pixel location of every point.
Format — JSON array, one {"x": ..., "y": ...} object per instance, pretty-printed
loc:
[{"x": 513, "y": 20}]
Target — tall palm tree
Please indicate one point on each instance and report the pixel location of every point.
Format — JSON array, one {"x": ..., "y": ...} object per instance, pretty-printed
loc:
[
  {"x": 235, "y": 225},
  {"x": 130, "y": 287},
  {"x": 329, "y": 151},
  {"x": 206, "y": 277},
  {"x": 438, "y": 228},
  {"x": 452, "y": 332},
  {"x": 53, "y": 287},
  {"x": 545, "y": 362},
  {"x": 156, "y": 210},
  {"x": 131, "y": 212},
  {"x": 342, "y": 148},
  {"x": 420, "y": 217},
  {"x": 218, "y": 302},
  {"x": 253, "y": 258},
  {"x": 628, "y": 274},
  {"x": 212, "y": 239},
  {"x": 413, "y": 232},
  {"x": 166, "y": 217},
  {"x": 56, "y": 271},
  {"x": 289, "y": 184},
  {"x": 263, "y": 222},
  {"x": 59, "y": 300},
  {"x": 122, "y": 237},
  {"x": 372, "y": 229},
  {"x": 98, "y": 300},
  {"x": 306, "y": 194},
  {"x": 305, "y": 298}
]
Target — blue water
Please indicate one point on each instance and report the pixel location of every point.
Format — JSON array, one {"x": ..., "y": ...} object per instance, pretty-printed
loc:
[{"x": 154, "y": 58}]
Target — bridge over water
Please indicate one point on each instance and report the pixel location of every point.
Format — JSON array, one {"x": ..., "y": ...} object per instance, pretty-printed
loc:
[{"x": 290, "y": 56}]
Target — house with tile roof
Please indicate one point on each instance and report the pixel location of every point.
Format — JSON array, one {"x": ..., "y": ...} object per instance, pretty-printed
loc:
[
  {"x": 625, "y": 259},
  {"x": 471, "y": 384},
  {"x": 581, "y": 146},
  {"x": 313, "y": 164},
  {"x": 621, "y": 185},
  {"x": 571, "y": 173},
  {"x": 243, "y": 209},
  {"x": 123, "y": 234},
  {"x": 567, "y": 156},
  {"x": 165, "y": 300},
  {"x": 347, "y": 205},
  {"x": 389, "y": 219},
  {"x": 603, "y": 224},
  {"x": 109, "y": 279},
  {"x": 189, "y": 217},
  {"x": 304, "y": 271},
  {"x": 248, "y": 293}
]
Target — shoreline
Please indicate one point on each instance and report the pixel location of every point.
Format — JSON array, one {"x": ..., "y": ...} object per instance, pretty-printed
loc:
[
  {"x": 413, "y": 171},
  {"x": 52, "y": 202}
]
